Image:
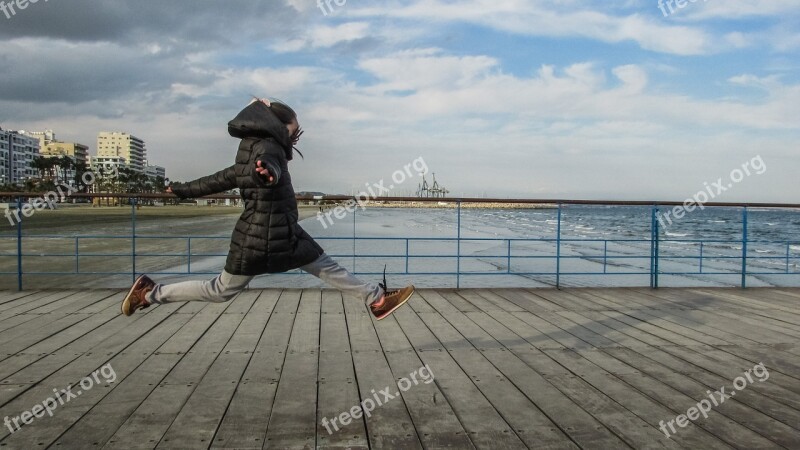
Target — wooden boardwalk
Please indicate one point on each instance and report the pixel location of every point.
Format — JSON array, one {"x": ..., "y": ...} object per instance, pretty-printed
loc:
[{"x": 512, "y": 368}]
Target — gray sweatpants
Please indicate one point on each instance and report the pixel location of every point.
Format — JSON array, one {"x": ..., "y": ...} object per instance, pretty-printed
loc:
[{"x": 225, "y": 286}]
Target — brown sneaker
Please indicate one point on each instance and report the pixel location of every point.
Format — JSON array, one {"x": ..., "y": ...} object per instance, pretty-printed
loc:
[
  {"x": 137, "y": 296},
  {"x": 391, "y": 300}
]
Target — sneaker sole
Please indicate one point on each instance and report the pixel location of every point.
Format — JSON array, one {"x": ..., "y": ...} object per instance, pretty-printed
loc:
[
  {"x": 126, "y": 304},
  {"x": 405, "y": 300}
]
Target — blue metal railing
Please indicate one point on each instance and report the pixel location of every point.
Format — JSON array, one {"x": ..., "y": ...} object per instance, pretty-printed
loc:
[{"x": 510, "y": 250}]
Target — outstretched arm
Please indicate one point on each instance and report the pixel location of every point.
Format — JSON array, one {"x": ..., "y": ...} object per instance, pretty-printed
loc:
[{"x": 222, "y": 181}]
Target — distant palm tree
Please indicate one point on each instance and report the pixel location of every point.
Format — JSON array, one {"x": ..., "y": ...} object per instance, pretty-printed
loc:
[
  {"x": 65, "y": 163},
  {"x": 160, "y": 185},
  {"x": 50, "y": 165},
  {"x": 80, "y": 170},
  {"x": 40, "y": 163}
]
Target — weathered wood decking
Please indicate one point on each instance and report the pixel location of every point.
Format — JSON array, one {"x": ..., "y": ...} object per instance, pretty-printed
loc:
[{"x": 594, "y": 368}]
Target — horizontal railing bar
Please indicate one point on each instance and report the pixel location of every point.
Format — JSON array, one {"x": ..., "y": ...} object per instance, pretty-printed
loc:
[
  {"x": 496, "y": 274},
  {"x": 343, "y": 198}
]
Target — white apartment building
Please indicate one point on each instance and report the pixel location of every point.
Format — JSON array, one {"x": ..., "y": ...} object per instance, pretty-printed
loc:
[
  {"x": 107, "y": 164},
  {"x": 17, "y": 150},
  {"x": 155, "y": 171}
]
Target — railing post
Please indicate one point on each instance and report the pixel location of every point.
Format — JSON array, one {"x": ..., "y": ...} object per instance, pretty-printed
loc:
[
  {"x": 458, "y": 248},
  {"x": 788, "y": 253},
  {"x": 654, "y": 248},
  {"x": 133, "y": 239},
  {"x": 508, "y": 265},
  {"x": 605, "y": 256},
  {"x": 189, "y": 255},
  {"x": 558, "y": 249},
  {"x": 354, "y": 239},
  {"x": 19, "y": 244},
  {"x": 701, "y": 256},
  {"x": 77, "y": 255},
  {"x": 407, "y": 253},
  {"x": 744, "y": 248}
]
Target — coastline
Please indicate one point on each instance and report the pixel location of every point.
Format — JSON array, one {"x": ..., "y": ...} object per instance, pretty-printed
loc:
[{"x": 450, "y": 205}]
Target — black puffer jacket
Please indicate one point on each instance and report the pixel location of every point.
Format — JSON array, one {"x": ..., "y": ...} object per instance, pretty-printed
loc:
[{"x": 267, "y": 238}]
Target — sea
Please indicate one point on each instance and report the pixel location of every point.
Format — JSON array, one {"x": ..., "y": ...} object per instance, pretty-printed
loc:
[{"x": 599, "y": 246}]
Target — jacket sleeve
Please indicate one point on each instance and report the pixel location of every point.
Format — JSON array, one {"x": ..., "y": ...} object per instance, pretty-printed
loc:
[
  {"x": 222, "y": 181},
  {"x": 270, "y": 155}
]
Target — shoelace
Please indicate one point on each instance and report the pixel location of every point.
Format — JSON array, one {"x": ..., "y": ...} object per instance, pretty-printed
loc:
[{"x": 384, "y": 285}]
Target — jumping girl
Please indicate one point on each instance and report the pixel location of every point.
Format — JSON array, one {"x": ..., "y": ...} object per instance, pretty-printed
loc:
[{"x": 267, "y": 237}]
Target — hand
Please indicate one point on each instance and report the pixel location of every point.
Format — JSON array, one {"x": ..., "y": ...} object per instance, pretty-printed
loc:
[
  {"x": 169, "y": 190},
  {"x": 263, "y": 171}
]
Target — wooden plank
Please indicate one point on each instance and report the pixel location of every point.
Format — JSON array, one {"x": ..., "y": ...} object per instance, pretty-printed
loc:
[
  {"x": 109, "y": 350},
  {"x": 682, "y": 359},
  {"x": 434, "y": 419},
  {"x": 500, "y": 302},
  {"x": 480, "y": 303},
  {"x": 388, "y": 425},
  {"x": 527, "y": 300},
  {"x": 736, "y": 327},
  {"x": 7, "y": 297},
  {"x": 563, "y": 298},
  {"x": 338, "y": 391},
  {"x": 29, "y": 297},
  {"x": 571, "y": 385},
  {"x": 646, "y": 407},
  {"x": 529, "y": 422},
  {"x": 33, "y": 325},
  {"x": 580, "y": 425},
  {"x": 744, "y": 415},
  {"x": 725, "y": 353},
  {"x": 100, "y": 423},
  {"x": 781, "y": 361},
  {"x": 486, "y": 427},
  {"x": 577, "y": 396},
  {"x": 42, "y": 299},
  {"x": 201, "y": 343},
  {"x": 244, "y": 424},
  {"x": 199, "y": 418},
  {"x": 28, "y": 321},
  {"x": 774, "y": 409},
  {"x": 293, "y": 421},
  {"x": 455, "y": 299},
  {"x": 60, "y": 348},
  {"x": 746, "y": 300}
]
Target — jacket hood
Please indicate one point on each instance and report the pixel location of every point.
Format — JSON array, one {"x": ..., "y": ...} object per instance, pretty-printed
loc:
[{"x": 258, "y": 121}]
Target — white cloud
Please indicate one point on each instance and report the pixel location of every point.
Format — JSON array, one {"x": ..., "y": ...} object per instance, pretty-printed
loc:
[
  {"x": 739, "y": 9},
  {"x": 560, "y": 20},
  {"x": 322, "y": 36},
  {"x": 426, "y": 68}
]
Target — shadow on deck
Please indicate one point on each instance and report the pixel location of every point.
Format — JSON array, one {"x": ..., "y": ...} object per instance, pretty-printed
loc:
[{"x": 512, "y": 368}]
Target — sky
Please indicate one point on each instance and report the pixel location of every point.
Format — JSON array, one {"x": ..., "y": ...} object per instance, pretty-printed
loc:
[{"x": 560, "y": 99}]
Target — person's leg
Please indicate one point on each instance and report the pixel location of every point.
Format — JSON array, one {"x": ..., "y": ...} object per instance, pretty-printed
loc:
[
  {"x": 329, "y": 271},
  {"x": 221, "y": 289}
]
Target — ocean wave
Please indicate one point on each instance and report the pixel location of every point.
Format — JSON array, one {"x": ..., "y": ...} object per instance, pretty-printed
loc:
[{"x": 678, "y": 234}]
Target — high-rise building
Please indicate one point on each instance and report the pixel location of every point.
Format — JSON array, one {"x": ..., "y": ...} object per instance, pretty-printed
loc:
[
  {"x": 122, "y": 145},
  {"x": 17, "y": 150}
]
